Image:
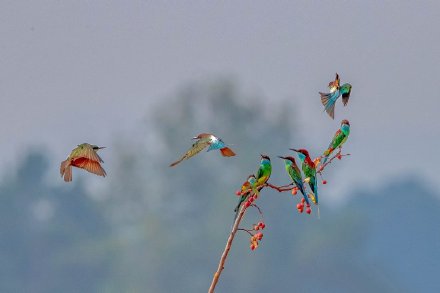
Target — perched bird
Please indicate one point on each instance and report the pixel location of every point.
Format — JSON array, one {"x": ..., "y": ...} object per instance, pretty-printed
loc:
[
  {"x": 247, "y": 188},
  {"x": 85, "y": 157},
  {"x": 295, "y": 174},
  {"x": 338, "y": 140},
  {"x": 204, "y": 140},
  {"x": 329, "y": 99},
  {"x": 309, "y": 169},
  {"x": 256, "y": 182}
]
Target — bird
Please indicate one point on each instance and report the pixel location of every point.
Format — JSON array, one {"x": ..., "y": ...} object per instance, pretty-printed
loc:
[
  {"x": 309, "y": 170},
  {"x": 295, "y": 174},
  {"x": 246, "y": 189},
  {"x": 84, "y": 156},
  {"x": 338, "y": 140},
  {"x": 204, "y": 140},
  {"x": 328, "y": 100},
  {"x": 256, "y": 182}
]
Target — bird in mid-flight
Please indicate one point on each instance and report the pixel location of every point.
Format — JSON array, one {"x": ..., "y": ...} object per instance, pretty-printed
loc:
[
  {"x": 84, "y": 156},
  {"x": 328, "y": 100},
  {"x": 204, "y": 140}
]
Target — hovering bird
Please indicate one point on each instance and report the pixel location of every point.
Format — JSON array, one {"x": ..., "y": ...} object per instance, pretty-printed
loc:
[
  {"x": 338, "y": 140},
  {"x": 256, "y": 182},
  {"x": 309, "y": 169},
  {"x": 85, "y": 157},
  {"x": 328, "y": 100},
  {"x": 295, "y": 174},
  {"x": 204, "y": 140}
]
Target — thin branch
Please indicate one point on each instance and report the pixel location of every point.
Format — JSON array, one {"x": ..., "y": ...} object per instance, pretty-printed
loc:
[
  {"x": 322, "y": 167},
  {"x": 226, "y": 251},
  {"x": 279, "y": 188}
]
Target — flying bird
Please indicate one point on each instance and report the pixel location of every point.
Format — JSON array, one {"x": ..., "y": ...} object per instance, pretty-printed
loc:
[
  {"x": 204, "y": 140},
  {"x": 338, "y": 140},
  {"x": 295, "y": 174},
  {"x": 328, "y": 100},
  {"x": 309, "y": 170},
  {"x": 85, "y": 157}
]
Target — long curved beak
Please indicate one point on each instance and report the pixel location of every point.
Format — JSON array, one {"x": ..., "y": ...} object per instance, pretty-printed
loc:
[
  {"x": 294, "y": 150},
  {"x": 281, "y": 157},
  {"x": 100, "y": 148},
  {"x": 195, "y": 137}
]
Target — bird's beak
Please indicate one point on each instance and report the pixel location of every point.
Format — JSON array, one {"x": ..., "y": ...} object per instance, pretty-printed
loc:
[
  {"x": 100, "y": 148},
  {"x": 281, "y": 157},
  {"x": 195, "y": 137},
  {"x": 294, "y": 150}
]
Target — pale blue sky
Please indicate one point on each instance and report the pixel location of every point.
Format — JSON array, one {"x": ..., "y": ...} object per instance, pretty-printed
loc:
[{"x": 75, "y": 71}]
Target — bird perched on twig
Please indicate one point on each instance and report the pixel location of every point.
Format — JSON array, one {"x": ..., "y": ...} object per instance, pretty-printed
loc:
[
  {"x": 204, "y": 140},
  {"x": 85, "y": 157},
  {"x": 338, "y": 140}
]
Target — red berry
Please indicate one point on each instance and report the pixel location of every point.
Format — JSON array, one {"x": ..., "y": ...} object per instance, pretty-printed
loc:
[
  {"x": 339, "y": 157},
  {"x": 259, "y": 235},
  {"x": 247, "y": 204},
  {"x": 300, "y": 210},
  {"x": 256, "y": 227},
  {"x": 238, "y": 192},
  {"x": 299, "y": 206},
  {"x": 324, "y": 182},
  {"x": 303, "y": 200},
  {"x": 294, "y": 191},
  {"x": 262, "y": 225},
  {"x": 251, "y": 199},
  {"x": 253, "y": 247},
  {"x": 309, "y": 210}
]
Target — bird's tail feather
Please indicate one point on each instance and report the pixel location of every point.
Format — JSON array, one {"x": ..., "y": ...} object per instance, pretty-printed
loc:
[
  {"x": 227, "y": 152},
  {"x": 176, "y": 162},
  {"x": 66, "y": 170},
  {"x": 237, "y": 208},
  {"x": 329, "y": 106}
]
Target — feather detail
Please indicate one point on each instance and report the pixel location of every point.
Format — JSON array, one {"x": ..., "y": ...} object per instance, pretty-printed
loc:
[
  {"x": 227, "y": 152},
  {"x": 90, "y": 166}
]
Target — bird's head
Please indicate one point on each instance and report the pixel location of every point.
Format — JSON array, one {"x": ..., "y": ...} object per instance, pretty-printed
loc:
[
  {"x": 289, "y": 158},
  {"x": 201, "y": 135},
  {"x": 264, "y": 157},
  {"x": 345, "y": 121},
  {"x": 301, "y": 151}
]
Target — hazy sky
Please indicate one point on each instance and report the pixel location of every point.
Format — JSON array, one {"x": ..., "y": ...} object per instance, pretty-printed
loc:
[{"x": 75, "y": 71}]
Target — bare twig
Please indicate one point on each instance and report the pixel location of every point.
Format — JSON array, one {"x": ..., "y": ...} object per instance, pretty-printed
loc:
[
  {"x": 338, "y": 155},
  {"x": 226, "y": 250}
]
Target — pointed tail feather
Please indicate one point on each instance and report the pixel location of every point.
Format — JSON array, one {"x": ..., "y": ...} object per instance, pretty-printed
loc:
[
  {"x": 177, "y": 162},
  {"x": 227, "y": 152},
  {"x": 329, "y": 106},
  {"x": 66, "y": 171}
]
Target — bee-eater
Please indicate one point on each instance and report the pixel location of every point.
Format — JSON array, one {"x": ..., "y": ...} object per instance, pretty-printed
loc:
[
  {"x": 329, "y": 99},
  {"x": 309, "y": 169},
  {"x": 204, "y": 140},
  {"x": 85, "y": 157},
  {"x": 246, "y": 189},
  {"x": 338, "y": 140},
  {"x": 295, "y": 174},
  {"x": 256, "y": 182}
]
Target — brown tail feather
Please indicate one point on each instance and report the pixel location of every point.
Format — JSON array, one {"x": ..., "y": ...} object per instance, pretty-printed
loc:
[
  {"x": 66, "y": 170},
  {"x": 176, "y": 162},
  {"x": 227, "y": 152}
]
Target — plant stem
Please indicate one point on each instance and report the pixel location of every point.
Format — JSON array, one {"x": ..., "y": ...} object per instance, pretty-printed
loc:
[{"x": 225, "y": 253}]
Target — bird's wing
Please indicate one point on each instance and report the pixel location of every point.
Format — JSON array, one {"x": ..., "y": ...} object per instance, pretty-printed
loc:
[
  {"x": 196, "y": 148},
  {"x": 90, "y": 166},
  {"x": 345, "y": 97},
  {"x": 88, "y": 152}
]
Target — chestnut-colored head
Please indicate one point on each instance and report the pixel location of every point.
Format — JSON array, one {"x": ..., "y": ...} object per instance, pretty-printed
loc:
[
  {"x": 345, "y": 121},
  {"x": 302, "y": 151}
]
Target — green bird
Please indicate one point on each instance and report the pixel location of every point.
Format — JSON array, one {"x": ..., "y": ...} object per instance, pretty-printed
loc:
[
  {"x": 309, "y": 170},
  {"x": 338, "y": 140},
  {"x": 295, "y": 174},
  {"x": 256, "y": 182},
  {"x": 85, "y": 157}
]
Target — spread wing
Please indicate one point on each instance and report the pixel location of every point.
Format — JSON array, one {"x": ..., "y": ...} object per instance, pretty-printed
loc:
[
  {"x": 90, "y": 166},
  {"x": 196, "y": 148}
]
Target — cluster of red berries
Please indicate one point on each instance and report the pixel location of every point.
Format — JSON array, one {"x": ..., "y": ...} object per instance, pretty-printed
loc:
[
  {"x": 257, "y": 236},
  {"x": 294, "y": 190},
  {"x": 300, "y": 207},
  {"x": 250, "y": 200}
]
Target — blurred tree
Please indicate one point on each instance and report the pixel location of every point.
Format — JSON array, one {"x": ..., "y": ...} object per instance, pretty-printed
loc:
[{"x": 52, "y": 239}]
